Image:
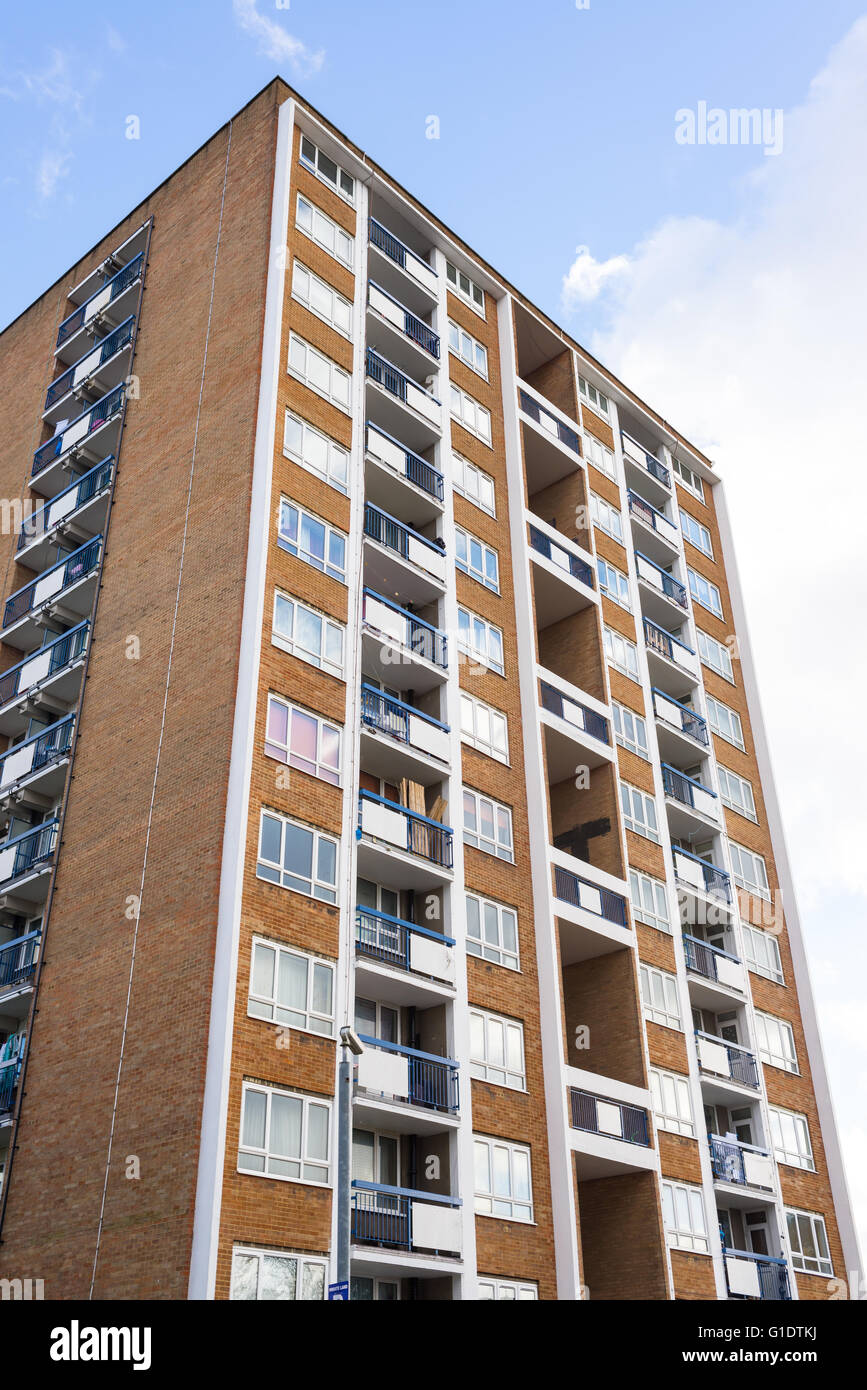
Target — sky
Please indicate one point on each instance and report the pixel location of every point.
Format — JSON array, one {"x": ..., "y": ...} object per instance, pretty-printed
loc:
[{"x": 723, "y": 281}]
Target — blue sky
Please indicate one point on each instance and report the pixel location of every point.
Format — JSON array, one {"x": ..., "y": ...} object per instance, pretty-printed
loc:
[{"x": 726, "y": 286}]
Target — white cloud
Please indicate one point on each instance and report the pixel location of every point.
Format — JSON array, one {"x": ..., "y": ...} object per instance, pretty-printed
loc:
[
  {"x": 53, "y": 166},
  {"x": 61, "y": 87},
  {"x": 273, "y": 39},
  {"x": 587, "y": 277}
]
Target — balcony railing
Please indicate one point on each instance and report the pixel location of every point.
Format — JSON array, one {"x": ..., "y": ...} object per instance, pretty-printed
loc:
[
  {"x": 600, "y": 1115},
  {"x": 18, "y": 960},
  {"x": 391, "y": 940},
  {"x": 401, "y": 254},
  {"x": 660, "y": 579},
  {"x": 416, "y": 470},
  {"x": 386, "y": 530},
  {"x": 398, "y": 384},
  {"x": 404, "y": 722},
  {"x": 67, "y": 502},
  {"x": 561, "y": 557},
  {"x": 117, "y": 340},
  {"x": 711, "y": 962},
  {"x": 78, "y": 429},
  {"x": 667, "y": 645},
  {"x": 431, "y": 1081},
  {"x": 668, "y": 710},
  {"x": 400, "y": 318},
  {"x": 743, "y": 1164},
  {"x": 689, "y": 792},
  {"x": 740, "y": 1064},
  {"x": 580, "y": 892},
  {"x": 770, "y": 1279},
  {"x": 405, "y": 628},
  {"x": 405, "y": 829},
  {"x": 54, "y": 581},
  {"x": 403, "y": 1217},
  {"x": 651, "y": 517},
  {"x": 701, "y": 873},
  {"x": 9, "y": 1073},
  {"x": 549, "y": 422},
  {"x": 25, "y": 852},
  {"x": 37, "y": 752},
  {"x": 555, "y": 702},
  {"x": 638, "y": 454},
  {"x": 104, "y": 296},
  {"x": 46, "y": 662}
]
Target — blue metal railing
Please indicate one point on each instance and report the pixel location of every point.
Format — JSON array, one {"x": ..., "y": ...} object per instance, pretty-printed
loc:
[
  {"x": 421, "y": 637},
  {"x": 427, "y": 838},
  {"x": 126, "y": 276},
  {"x": 32, "y": 848},
  {"x": 384, "y": 373},
  {"x": 76, "y": 566},
  {"x": 743, "y": 1066},
  {"x": 663, "y": 642},
  {"x": 433, "y": 1081},
  {"x": 578, "y": 568},
  {"x": 651, "y": 463},
  {"x": 417, "y": 470},
  {"x": 773, "y": 1275},
  {"x": 585, "y": 1115},
  {"x": 727, "y": 1159},
  {"x": 701, "y": 957},
  {"x": 85, "y": 487},
  {"x": 389, "y": 939},
  {"x": 61, "y": 651},
  {"x": 117, "y": 340},
  {"x": 567, "y": 887},
  {"x": 391, "y": 716},
  {"x": 651, "y": 516},
  {"x": 716, "y": 880},
  {"x": 392, "y": 246},
  {"x": 554, "y": 701},
  {"x": 50, "y": 744},
  {"x": 97, "y": 415},
  {"x": 413, "y": 326},
  {"x": 386, "y": 530},
  {"x": 18, "y": 960},
  {"x": 382, "y": 1215},
  {"x": 671, "y": 587},
  {"x": 690, "y": 722},
  {"x": 9, "y": 1072},
  {"x": 531, "y": 407},
  {"x": 681, "y": 787}
]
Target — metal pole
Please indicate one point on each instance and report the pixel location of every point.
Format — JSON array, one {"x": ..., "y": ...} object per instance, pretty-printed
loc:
[{"x": 344, "y": 1160}]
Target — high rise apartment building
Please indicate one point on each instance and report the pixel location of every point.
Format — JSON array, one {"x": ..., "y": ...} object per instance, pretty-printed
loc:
[{"x": 369, "y": 658}]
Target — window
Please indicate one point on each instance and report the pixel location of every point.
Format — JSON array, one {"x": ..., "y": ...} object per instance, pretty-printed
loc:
[
  {"x": 305, "y": 741},
  {"x": 791, "y": 1138},
  {"x": 506, "y": 1290},
  {"x": 488, "y": 825},
  {"x": 683, "y": 1215},
  {"x": 696, "y": 534},
  {"x": 468, "y": 290},
  {"x": 319, "y": 372},
  {"x": 762, "y": 953},
  {"x": 315, "y": 451},
  {"x": 595, "y": 399},
  {"x": 736, "y": 792},
  {"x": 474, "y": 484},
  {"x": 364, "y": 1289},
  {"x": 497, "y": 1050},
  {"x": 689, "y": 479},
  {"x": 492, "y": 931},
  {"x": 659, "y": 996},
  {"x": 596, "y": 453},
  {"x": 503, "y": 1180},
  {"x": 476, "y": 559},
  {"x": 776, "y": 1042},
  {"x": 671, "y": 1103},
  {"x": 621, "y": 653},
  {"x": 630, "y": 730},
  {"x": 808, "y": 1242},
  {"x": 613, "y": 583},
  {"x": 484, "y": 728},
  {"x": 324, "y": 231},
  {"x": 749, "y": 871},
  {"x": 312, "y": 540},
  {"x": 290, "y": 988},
  {"x": 704, "y": 592},
  {"x": 468, "y": 348},
  {"x": 319, "y": 162},
  {"x": 307, "y": 634},
  {"x": 715, "y": 655},
  {"x": 649, "y": 900},
  {"x": 480, "y": 640},
  {"x": 271, "y": 1274},
  {"x": 321, "y": 299},
  {"x": 284, "y": 1135},
  {"x": 606, "y": 517},
  {"x": 725, "y": 722},
  {"x": 297, "y": 857},
  {"x": 639, "y": 812},
  {"x": 470, "y": 414}
]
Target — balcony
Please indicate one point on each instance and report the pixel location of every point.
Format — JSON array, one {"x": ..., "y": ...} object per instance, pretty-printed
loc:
[
  {"x": 92, "y": 435},
  {"x": 66, "y": 589},
  {"x": 662, "y": 596},
  {"x": 644, "y": 466},
  {"x": 399, "y": 480},
  {"x": 18, "y": 960},
  {"x": 563, "y": 580},
  {"x": 101, "y": 368},
  {"x": 422, "y": 754},
  {"x": 9, "y": 1074},
  {"x": 54, "y": 672},
  {"x": 24, "y": 861},
  {"x": 690, "y": 804},
  {"x": 573, "y": 731},
  {"x": 593, "y": 917},
  {"x": 679, "y": 730},
  {"x": 407, "y": 339},
  {"x": 418, "y": 281},
  {"x": 412, "y": 966},
  {"x": 400, "y": 847},
  {"x": 401, "y": 1218},
  {"x": 609, "y": 1128},
  {"x": 696, "y": 874},
  {"x": 660, "y": 536},
  {"x": 742, "y": 1165},
  {"x": 719, "y": 973},
  {"x": 107, "y": 307},
  {"x": 79, "y": 510},
  {"x": 39, "y": 763},
  {"x": 404, "y": 408},
  {"x": 400, "y": 648},
  {"x": 756, "y": 1276},
  {"x": 404, "y": 561},
  {"x": 719, "y": 1059},
  {"x": 551, "y": 446},
  {"x": 598, "y": 1115},
  {"x": 389, "y": 1072},
  {"x": 670, "y": 660}
]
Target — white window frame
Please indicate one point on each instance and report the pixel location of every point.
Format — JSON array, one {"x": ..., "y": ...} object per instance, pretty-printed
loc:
[
  {"x": 341, "y": 398},
  {"x": 469, "y": 413},
  {"x": 591, "y": 396},
  {"x": 302, "y": 1263},
  {"x": 658, "y": 1007},
  {"x": 697, "y": 534},
  {"x": 691, "y": 481},
  {"x": 630, "y": 730},
  {"x": 482, "y": 842},
  {"x": 518, "y": 1156},
  {"x": 736, "y": 792},
  {"x": 729, "y": 727},
  {"x": 314, "y": 767},
  {"x": 466, "y": 566},
  {"x": 775, "y": 1042},
  {"x": 296, "y": 548},
  {"x": 809, "y": 1264},
  {"x": 801, "y": 1154},
  {"x": 473, "y": 295},
  {"x": 769, "y": 946},
  {"x": 476, "y": 625},
  {"x": 672, "y": 1102},
  {"x": 459, "y": 339},
  {"x": 303, "y": 1159},
  {"x": 338, "y": 316},
  {"x": 613, "y": 583},
  {"x": 321, "y": 889},
  {"x": 640, "y": 816},
  {"x": 643, "y": 886},
  {"x": 464, "y": 469},
  {"x": 487, "y": 729},
  {"x": 329, "y": 625},
  {"x": 606, "y": 516},
  {"x": 678, "y": 1235},
  {"x": 704, "y": 592},
  {"x": 313, "y": 164},
  {"x": 497, "y": 1029},
  {"x": 489, "y": 912},
  {"x": 600, "y": 456},
  {"x": 336, "y": 471},
  {"x": 612, "y": 639},
  {"x": 281, "y": 1014},
  {"x": 715, "y": 655},
  {"x": 505, "y": 1290},
  {"x": 325, "y": 232},
  {"x": 747, "y": 859}
]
